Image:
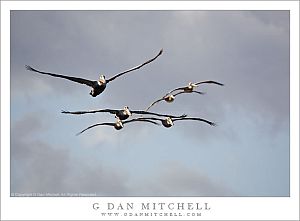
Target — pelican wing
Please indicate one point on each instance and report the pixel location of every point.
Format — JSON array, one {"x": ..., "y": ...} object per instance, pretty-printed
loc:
[
  {"x": 180, "y": 92},
  {"x": 183, "y": 92},
  {"x": 134, "y": 68},
  {"x": 149, "y": 120},
  {"x": 176, "y": 89},
  {"x": 198, "y": 119},
  {"x": 95, "y": 125},
  {"x": 209, "y": 82},
  {"x": 198, "y": 92},
  {"x": 161, "y": 99},
  {"x": 157, "y": 114},
  {"x": 91, "y": 111},
  {"x": 75, "y": 79}
]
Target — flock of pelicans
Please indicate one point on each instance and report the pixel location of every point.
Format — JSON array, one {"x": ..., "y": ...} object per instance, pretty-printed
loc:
[{"x": 123, "y": 114}]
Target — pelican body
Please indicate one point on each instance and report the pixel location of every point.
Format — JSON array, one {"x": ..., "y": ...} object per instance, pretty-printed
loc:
[
  {"x": 98, "y": 86},
  {"x": 123, "y": 114},
  {"x": 170, "y": 98},
  {"x": 118, "y": 125},
  {"x": 167, "y": 122}
]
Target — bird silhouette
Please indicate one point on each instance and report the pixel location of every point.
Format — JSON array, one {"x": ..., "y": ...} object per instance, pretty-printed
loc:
[
  {"x": 169, "y": 98},
  {"x": 169, "y": 122},
  {"x": 118, "y": 125},
  {"x": 190, "y": 88},
  {"x": 124, "y": 113},
  {"x": 98, "y": 86}
]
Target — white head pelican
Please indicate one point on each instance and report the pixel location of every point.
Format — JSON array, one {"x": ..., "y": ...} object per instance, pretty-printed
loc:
[{"x": 97, "y": 86}]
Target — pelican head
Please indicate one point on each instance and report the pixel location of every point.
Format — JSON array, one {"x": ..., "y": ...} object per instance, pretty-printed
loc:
[
  {"x": 190, "y": 87},
  {"x": 127, "y": 111},
  {"x": 170, "y": 98},
  {"x": 191, "y": 84},
  {"x": 102, "y": 79},
  {"x": 168, "y": 122},
  {"x": 118, "y": 125}
]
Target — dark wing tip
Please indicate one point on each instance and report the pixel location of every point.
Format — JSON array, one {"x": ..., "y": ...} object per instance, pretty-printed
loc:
[
  {"x": 29, "y": 68},
  {"x": 213, "y": 124},
  {"x": 79, "y": 133},
  {"x": 161, "y": 51},
  {"x": 221, "y": 84},
  {"x": 199, "y": 92}
]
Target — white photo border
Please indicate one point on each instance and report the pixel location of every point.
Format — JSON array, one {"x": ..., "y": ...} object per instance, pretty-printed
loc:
[{"x": 218, "y": 208}]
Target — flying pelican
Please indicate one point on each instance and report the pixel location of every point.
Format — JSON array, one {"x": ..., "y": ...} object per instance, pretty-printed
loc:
[
  {"x": 118, "y": 125},
  {"x": 169, "y": 122},
  {"x": 191, "y": 86},
  {"x": 97, "y": 86},
  {"x": 169, "y": 98},
  {"x": 124, "y": 113}
]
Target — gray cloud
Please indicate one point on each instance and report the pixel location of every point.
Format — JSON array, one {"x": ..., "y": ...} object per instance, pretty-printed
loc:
[
  {"x": 248, "y": 51},
  {"x": 38, "y": 167},
  {"x": 175, "y": 179}
]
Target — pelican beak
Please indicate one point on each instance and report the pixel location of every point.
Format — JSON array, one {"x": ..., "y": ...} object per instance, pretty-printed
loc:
[
  {"x": 194, "y": 85},
  {"x": 129, "y": 113}
]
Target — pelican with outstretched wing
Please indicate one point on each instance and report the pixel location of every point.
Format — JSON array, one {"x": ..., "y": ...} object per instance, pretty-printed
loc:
[
  {"x": 124, "y": 113},
  {"x": 169, "y": 122},
  {"x": 191, "y": 86},
  {"x": 97, "y": 86},
  {"x": 169, "y": 98},
  {"x": 118, "y": 125}
]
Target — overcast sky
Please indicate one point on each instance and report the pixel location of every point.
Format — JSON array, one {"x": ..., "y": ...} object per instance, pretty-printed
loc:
[{"x": 247, "y": 154}]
